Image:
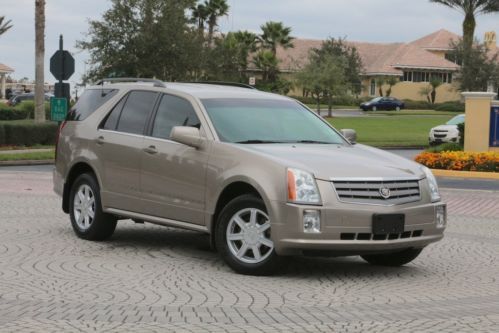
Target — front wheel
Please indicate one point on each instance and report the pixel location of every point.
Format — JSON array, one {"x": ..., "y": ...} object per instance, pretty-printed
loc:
[
  {"x": 397, "y": 108},
  {"x": 243, "y": 237},
  {"x": 85, "y": 210},
  {"x": 393, "y": 259},
  {"x": 374, "y": 108}
]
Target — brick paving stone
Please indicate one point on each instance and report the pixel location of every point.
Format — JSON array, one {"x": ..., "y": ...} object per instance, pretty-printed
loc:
[{"x": 152, "y": 279}]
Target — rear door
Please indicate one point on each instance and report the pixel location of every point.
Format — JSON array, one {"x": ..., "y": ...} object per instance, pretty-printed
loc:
[
  {"x": 118, "y": 145},
  {"x": 173, "y": 175}
]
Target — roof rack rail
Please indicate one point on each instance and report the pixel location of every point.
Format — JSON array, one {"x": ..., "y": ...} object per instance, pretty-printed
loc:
[
  {"x": 157, "y": 83},
  {"x": 222, "y": 83}
]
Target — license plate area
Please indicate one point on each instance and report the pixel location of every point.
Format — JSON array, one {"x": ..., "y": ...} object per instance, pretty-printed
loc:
[{"x": 388, "y": 224}]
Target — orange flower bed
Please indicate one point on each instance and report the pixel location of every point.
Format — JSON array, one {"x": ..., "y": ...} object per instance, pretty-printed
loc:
[{"x": 460, "y": 161}]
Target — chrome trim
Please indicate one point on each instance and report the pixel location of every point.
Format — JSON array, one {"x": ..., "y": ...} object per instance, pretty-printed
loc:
[
  {"x": 375, "y": 179},
  {"x": 122, "y": 133},
  {"x": 158, "y": 220}
]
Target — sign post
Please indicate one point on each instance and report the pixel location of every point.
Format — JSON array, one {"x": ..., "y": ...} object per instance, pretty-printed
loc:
[{"x": 62, "y": 66}]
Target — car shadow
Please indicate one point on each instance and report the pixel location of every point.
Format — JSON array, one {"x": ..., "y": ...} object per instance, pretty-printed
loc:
[{"x": 158, "y": 241}]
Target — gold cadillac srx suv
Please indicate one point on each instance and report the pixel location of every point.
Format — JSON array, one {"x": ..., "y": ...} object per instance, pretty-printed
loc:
[{"x": 260, "y": 173}]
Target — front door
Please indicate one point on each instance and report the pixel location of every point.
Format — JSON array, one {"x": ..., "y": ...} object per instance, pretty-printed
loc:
[{"x": 173, "y": 175}]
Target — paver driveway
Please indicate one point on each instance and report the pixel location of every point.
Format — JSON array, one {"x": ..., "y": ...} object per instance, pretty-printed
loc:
[{"x": 148, "y": 278}]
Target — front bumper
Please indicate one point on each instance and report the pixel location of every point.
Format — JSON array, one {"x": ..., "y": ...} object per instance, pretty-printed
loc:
[
  {"x": 442, "y": 138},
  {"x": 346, "y": 228}
]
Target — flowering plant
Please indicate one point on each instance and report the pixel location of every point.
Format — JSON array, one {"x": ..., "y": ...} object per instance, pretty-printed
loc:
[{"x": 460, "y": 161}]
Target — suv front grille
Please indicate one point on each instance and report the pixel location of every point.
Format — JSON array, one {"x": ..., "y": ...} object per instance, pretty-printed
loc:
[{"x": 371, "y": 191}]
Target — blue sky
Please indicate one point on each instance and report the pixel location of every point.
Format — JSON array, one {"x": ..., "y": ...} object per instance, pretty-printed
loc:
[{"x": 359, "y": 20}]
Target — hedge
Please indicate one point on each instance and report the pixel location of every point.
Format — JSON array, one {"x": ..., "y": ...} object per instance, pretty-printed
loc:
[
  {"x": 18, "y": 134},
  {"x": 25, "y": 110},
  {"x": 460, "y": 161}
]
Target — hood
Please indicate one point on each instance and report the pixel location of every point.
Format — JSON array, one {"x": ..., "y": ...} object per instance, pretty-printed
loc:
[
  {"x": 335, "y": 161},
  {"x": 445, "y": 128}
]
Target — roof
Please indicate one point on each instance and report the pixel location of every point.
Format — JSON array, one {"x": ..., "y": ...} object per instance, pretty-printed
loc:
[
  {"x": 199, "y": 90},
  {"x": 439, "y": 40},
  {"x": 381, "y": 58},
  {"x": 5, "y": 69}
]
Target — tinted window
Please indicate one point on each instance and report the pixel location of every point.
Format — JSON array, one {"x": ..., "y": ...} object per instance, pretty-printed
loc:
[
  {"x": 112, "y": 118},
  {"x": 136, "y": 111},
  {"x": 173, "y": 111},
  {"x": 90, "y": 101}
]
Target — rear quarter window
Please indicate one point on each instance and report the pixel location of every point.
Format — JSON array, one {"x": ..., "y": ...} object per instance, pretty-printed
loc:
[{"x": 90, "y": 101}]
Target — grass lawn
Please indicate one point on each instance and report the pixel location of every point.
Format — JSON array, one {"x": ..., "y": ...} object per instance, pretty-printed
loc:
[
  {"x": 402, "y": 130},
  {"x": 335, "y": 107},
  {"x": 44, "y": 155},
  {"x": 414, "y": 113}
]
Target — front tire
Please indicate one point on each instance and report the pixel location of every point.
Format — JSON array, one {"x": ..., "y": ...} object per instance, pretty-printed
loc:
[
  {"x": 374, "y": 108},
  {"x": 242, "y": 237},
  {"x": 85, "y": 209},
  {"x": 393, "y": 259},
  {"x": 397, "y": 108}
]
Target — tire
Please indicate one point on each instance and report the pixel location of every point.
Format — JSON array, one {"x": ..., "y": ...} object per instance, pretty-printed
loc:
[
  {"x": 374, "y": 108},
  {"x": 84, "y": 201},
  {"x": 393, "y": 259},
  {"x": 397, "y": 108},
  {"x": 246, "y": 211}
]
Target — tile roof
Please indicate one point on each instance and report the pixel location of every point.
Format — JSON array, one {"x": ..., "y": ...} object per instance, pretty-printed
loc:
[
  {"x": 5, "y": 69},
  {"x": 379, "y": 58}
]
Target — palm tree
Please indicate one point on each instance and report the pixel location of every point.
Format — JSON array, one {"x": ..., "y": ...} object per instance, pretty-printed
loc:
[
  {"x": 276, "y": 34},
  {"x": 200, "y": 14},
  {"x": 434, "y": 83},
  {"x": 215, "y": 9},
  {"x": 4, "y": 26},
  {"x": 247, "y": 39},
  {"x": 470, "y": 9},
  {"x": 267, "y": 62},
  {"x": 39, "y": 60}
]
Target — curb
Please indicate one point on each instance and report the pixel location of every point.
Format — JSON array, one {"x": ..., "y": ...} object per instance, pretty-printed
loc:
[
  {"x": 26, "y": 162},
  {"x": 465, "y": 174}
]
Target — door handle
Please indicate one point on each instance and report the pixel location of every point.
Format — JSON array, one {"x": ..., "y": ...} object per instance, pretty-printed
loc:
[
  {"x": 100, "y": 140},
  {"x": 151, "y": 150}
]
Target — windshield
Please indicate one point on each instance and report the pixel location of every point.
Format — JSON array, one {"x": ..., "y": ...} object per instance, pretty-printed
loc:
[
  {"x": 241, "y": 120},
  {"x": 456, "y": 120}
]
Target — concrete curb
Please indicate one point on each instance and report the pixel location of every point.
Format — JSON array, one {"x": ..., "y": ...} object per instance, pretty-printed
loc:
[
  {"x": 26, "y": 162},
  {"x": 466, "y": 174}
]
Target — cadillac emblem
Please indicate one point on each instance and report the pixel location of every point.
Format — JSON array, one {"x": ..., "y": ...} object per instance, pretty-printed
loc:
[{"x": 385, "y": 192}]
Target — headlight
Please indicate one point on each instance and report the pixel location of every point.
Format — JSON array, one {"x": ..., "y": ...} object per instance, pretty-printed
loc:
[
  {"x": 432, "y": 182},
  {"x": 302, "y": 187}
]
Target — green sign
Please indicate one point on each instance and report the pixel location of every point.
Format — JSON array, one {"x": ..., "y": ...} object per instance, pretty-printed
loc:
[{"x": 58, "y": 109}]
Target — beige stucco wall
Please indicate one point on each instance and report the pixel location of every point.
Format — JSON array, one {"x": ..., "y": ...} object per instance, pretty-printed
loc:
[
  {"x": 477, "y": 128},
  {"x": 410, "y": 90}
]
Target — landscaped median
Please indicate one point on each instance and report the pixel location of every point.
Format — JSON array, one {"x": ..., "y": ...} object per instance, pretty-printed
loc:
[
  {"x": 26, "y": 156},
  {"x": 462, "y": 164}
]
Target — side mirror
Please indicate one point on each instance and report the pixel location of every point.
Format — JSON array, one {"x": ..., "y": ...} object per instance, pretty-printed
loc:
[
  {"x": 190, "y": 136},
  {"x": 350, "y": 135}
]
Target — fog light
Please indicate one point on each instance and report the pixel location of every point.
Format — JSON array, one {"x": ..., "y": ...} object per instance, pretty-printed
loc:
[
  {"x": 311, "y": 221},
  {"x": 440, "y": 216}
]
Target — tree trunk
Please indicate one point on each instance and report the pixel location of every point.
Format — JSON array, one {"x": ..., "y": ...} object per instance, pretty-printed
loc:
[
  {"x": 433, "y": 96},
  {"x": 469, "y": 25},
  {"x": 39, "y": 61},
  {"x": 329, "y": 105}
]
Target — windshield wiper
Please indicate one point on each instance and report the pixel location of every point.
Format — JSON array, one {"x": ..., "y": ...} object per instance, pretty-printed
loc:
[
  {"x": 314, "y": 141},
  {"x": 257, "y": 141}
]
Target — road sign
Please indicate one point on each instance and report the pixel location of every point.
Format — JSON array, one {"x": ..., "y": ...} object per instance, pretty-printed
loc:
[
  {"x": 252, "y": 81},
  {"x": 58, "y": 109},
  {"x": 62, "y": 65},
  {"x": 62, "y": 90}
]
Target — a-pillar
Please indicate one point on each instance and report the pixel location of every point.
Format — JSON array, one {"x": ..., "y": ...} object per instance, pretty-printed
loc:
[{"x": 477, "y": 125}]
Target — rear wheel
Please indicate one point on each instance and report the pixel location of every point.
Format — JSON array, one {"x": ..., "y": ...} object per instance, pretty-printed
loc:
[
  {"x": 243, "y": 237},
  {"x": 397, "y": 108},
  {"x": 393, "y": 259},
  {"x": 85, "y": 210}
]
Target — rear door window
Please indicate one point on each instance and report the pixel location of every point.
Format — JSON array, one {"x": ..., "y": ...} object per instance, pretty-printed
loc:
[
  {"x": 90, "y": 101},
  {"x": 136, "y": 111},
  {"x": 111, "y": 121}
]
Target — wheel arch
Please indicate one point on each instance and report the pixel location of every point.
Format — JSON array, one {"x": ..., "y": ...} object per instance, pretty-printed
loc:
[
  {"x": 231, "y": 191},
  {"x": 76, "y": 170}
]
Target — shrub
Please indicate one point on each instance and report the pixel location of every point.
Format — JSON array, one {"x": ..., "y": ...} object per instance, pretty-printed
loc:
[
  {"x": 460, "y": 161},
  {"x": 418, "y": 105},
  {"x": 30, "y": 134},
  {"x": 9, "y": 113},
  {"x": 451, "y": 146},
  {"x": 28, "y": 107},
  {"x": 450, "y": 106},
  {"x": 461, "y": 130}
]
